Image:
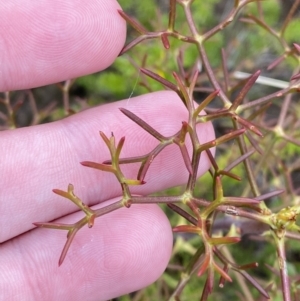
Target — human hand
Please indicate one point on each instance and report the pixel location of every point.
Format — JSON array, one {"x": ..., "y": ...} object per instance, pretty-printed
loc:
[{"x": 50, "y": 41}]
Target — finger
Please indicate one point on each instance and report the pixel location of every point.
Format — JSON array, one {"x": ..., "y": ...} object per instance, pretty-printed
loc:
[
  {"x": 49, "y": 41},
  {"x": 124, "y": 251},
  {"x": 37, "y": 159}
]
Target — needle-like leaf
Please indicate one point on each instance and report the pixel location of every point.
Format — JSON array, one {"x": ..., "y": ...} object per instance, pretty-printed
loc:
[
  {"x": 99, "y": 166},
  {"x": 135, "y": 24},
  {"x": 250, "y": 82},
  {"x": 160, "y": 79},
  {"x": 143, "y": 124}
]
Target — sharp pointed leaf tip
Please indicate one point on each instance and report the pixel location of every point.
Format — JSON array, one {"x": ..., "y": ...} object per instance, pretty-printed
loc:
[
  {"x": 61, "y": 260},
  {"x": 297, "y": 47},
  {"x": 165, "y": 41},
  {"x": 296, "y": 76}
]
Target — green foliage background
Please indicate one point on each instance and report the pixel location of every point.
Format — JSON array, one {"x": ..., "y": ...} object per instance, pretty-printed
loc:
[{"x": 248, "y": 48}]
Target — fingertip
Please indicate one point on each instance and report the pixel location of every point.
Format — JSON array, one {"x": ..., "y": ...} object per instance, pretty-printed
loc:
[
  {"x": 125, "y": 251},
  {"x": 52, "y": 41}
]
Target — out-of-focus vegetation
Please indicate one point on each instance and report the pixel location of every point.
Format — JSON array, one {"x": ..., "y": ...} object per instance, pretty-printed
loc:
[{"x": 248, "y": 47}]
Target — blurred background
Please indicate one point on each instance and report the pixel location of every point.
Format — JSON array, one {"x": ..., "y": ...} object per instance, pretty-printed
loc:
[{"x": 248, "y": 47}]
